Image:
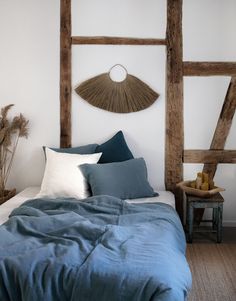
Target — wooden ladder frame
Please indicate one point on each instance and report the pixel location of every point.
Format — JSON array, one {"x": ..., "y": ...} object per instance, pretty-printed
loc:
[{"x": 175, "y": 155}]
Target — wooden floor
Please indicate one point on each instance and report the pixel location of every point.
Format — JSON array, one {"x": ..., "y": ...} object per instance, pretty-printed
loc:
[{"x": 213, "y": 267}]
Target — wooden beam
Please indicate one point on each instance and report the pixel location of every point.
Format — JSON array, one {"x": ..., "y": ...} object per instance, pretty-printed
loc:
[
  {"x": 116, "y": 41},
  {"x": 65, "y": 74},
  {"x": 209, "y": 68},
  {"x": 221, "y": 133},
  {"x": 223, "y": 125},
  {"x": 174, "y": 102},
  {"x": 209, "y": 156}
]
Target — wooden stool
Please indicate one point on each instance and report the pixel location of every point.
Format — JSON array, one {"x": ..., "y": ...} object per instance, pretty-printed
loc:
[{"x": 216, "y": 203}]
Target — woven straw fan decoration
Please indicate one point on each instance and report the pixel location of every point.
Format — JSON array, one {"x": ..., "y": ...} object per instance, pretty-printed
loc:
[{"x": 129, "y": 95}]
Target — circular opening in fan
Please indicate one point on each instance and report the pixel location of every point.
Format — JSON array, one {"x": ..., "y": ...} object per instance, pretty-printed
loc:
[{"x": 118, "y": 73}]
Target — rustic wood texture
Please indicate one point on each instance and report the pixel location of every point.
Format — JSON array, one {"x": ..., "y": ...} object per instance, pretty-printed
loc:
[
  {"x": 116, "y": 41},
  {"x": 223, "y": 125},
  {"x": 209, "y": 156},
  {"x": 186, "y": 187},
  {"x": 176, "y": 69},
  {"x": 65, "y": 74},
  {"x": 221, "y": 133},
  {"x": 174, "y": 102},
  {"x": 216, "y": 203},
  {"x": 209, "y": 68}
]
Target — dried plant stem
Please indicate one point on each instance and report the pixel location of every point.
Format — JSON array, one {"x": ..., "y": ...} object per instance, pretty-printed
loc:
[
  {"x": 11, "y": 158},
  {"x": 3, "y": 159},
  {"x": 2, "y": 170},
  {"x": 10, "y": 132}
]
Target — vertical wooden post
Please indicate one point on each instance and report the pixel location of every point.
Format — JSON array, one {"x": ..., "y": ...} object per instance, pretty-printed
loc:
[
  {"x": 65, "y": 74},
  {"x": 174, "y": 102}
]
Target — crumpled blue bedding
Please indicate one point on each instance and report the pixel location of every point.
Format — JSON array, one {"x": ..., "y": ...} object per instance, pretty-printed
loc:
[{"x": 101, "y": 248}]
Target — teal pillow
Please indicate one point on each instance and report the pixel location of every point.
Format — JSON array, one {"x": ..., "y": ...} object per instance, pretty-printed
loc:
[
  {"x": 114, "y": 150},
  {"x": 124, "y": 180},
  {"x": 81, "y": 150}
]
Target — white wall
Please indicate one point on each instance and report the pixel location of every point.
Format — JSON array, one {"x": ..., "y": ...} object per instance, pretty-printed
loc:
[{"x": 29, "y": 77}]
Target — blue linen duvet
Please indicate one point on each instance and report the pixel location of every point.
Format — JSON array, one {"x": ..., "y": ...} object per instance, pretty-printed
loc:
[{"x": 98, "y": 249}]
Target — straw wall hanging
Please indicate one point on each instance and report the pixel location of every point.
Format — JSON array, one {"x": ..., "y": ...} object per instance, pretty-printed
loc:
[{"x": 129, "y": 95}]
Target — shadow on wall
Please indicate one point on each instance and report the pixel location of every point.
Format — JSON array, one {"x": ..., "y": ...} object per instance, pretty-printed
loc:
[{"x": 33, "y": 161}]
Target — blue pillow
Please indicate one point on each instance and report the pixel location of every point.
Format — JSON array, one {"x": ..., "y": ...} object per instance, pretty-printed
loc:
[
  {"x": 114, "y": 150},
  {"x": 124, "y": 180},
  {"x": 82, "y": 150}
]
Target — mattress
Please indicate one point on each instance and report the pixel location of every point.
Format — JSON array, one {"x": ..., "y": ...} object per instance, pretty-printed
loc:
[{"x": 166, "y": 197}]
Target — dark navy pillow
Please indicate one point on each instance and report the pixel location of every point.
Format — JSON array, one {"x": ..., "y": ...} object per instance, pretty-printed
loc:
[
  {"x": 124, "y": 180},
  {"x": 81, "y": 150},
  {"x": 114, "y": 150}
]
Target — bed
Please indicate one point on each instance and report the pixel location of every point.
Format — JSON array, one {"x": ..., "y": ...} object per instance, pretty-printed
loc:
[
  {"x": 63, "y": 249},
  {"x": 95, "y": 229},
  {"x": 166, "y": 197}
]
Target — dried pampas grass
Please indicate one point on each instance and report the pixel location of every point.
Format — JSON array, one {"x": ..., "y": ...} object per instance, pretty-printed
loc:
[
  {"x": 11, "y": 129},
  {"x": 130, "y": 95}
]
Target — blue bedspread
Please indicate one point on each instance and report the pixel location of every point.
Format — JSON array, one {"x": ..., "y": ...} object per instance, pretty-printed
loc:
[{"x": 100, "y": 249}]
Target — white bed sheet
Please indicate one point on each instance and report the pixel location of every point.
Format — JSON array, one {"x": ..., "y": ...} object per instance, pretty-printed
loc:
[{"x": 166, "y": 197}]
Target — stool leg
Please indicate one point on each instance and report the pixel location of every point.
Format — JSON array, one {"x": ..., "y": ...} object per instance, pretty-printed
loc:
[
  {"x": 187, "y": 218},
  {"x": 214, "y": 218},
  {"x": 219, "y": 223},
  {"x": 190, "y": 222}
]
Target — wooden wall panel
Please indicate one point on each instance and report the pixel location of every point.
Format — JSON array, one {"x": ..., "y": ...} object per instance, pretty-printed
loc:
[
  {"x": 176, "y": 69},
  {"x": 174, "y": 102},
  {"x": 65, "y": 74}
]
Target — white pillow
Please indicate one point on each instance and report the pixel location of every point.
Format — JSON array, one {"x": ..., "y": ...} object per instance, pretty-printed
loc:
[{"x": 63, "y": 178}]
